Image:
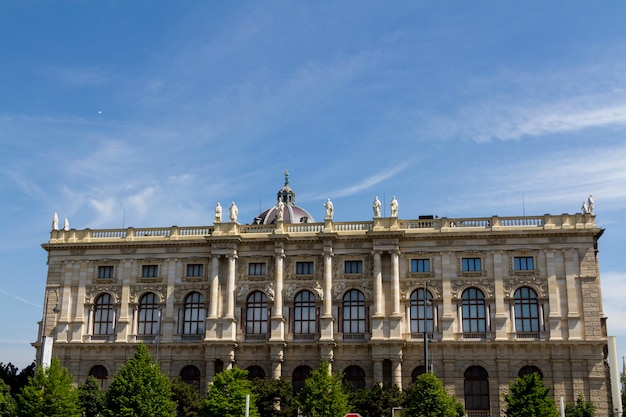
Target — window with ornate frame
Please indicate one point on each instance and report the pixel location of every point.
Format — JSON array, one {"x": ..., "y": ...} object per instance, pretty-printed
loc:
[
  {"x": 149, "y": 315},
  {"x": 422, "y": 311},
  {"x": 420, "y": 265},
  {"x": 527, "y": 311},
  {"x": 474, "y": 311},
  {"x": 194, "y": 314},
  {"x": 257, "y": 314},
  {"x": 353, "y": 267},
  {"x": 195, "y": 270},
  {"x": 106, "y": 271},
  {"x": 523, "y": 263},
  {"x": 103, "y": 315},
  {"x": 473, "y": 264},
  {"x": 304, "y": 313},
  {"x": 257, "y": 268},
  {"x": 353, "y": 313},
  {"x": 305, "y": 268},
  {"x": 149, "y": 271}
]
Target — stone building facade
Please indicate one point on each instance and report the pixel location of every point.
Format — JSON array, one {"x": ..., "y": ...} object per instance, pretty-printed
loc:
[{"x": 496, "y": 297}]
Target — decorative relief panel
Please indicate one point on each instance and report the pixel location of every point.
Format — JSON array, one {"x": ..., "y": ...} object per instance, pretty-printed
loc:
[
  {"x": 94, "y": 290},
  {"x": 138, "y": 290},
  {"x": 486, "y": 285},
  {"x": 409, "y": 286},
  {"x": 182, "y": 290},
  {"x": 539, "y": 284}
]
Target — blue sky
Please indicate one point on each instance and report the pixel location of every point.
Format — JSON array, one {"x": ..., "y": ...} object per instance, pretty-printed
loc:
[{"x": 145, "y": 113}]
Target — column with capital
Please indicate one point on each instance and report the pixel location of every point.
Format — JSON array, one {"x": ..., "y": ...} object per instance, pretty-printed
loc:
[
  {"x": 326, "y": 318},
  {"x": 395, "y": 320},
  {"x": 212, "y": 318},
  {"x": 278, "y": 321},
  {"x": 379, "y": 315},
  {"x": 230, "y": 328}
]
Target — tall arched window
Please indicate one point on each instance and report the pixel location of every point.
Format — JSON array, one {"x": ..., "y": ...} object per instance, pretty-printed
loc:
[
  {"x": 529, "y": 369},
  {"x": 417, "y": 371},
  {"x": 474, "y": 311},
  {"x": 355, "y": 375},
  {"x": 476, "y": 387},
  {"x": 422, "y": 311},
  {"x": 256, "y": 313},
  {"x": 100, "y": 373},
  {"x": 194, "y": 315},
  {"x": 526, "y": 310},
  {"x": 353, "y": 312},
  {"x": 148, "y": 323},
  {"x": 103, "y": 315},
  {"x": 255, "y": 371},
  {"x": 305, "y": 313},
  {"x": 191, "y": 375},
  {"x": 300, "y": 374}
]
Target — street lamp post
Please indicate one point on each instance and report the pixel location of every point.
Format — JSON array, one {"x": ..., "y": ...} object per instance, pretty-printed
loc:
[{"x": 425, "y": 333}]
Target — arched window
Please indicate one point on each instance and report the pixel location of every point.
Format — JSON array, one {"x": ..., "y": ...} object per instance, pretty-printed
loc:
[
  {"x": 529, "y": 369},
  {"x": 100, "y": 373},
  {"x": 103, "y": 315},
  {"x": 355, "y": 375},
  {"x": 526, "y": 310},
  {"x": 305, "y": 313},
  {"x": 256, "y": 313},
  {"x": 476, "y": 388},
  {"x": 419, "y": 370},
  {"x": 194, "y": 315},
  {"x": 353, "y": 312},
  {"x": 300, "y": 374},
  {"x": 255, "y": 371},
  {"x": 474, "y": 311},
  {"x": 422, "y": 311},
  {"x": 148, "y": 315},
  {"x": 191, "y": 375}
]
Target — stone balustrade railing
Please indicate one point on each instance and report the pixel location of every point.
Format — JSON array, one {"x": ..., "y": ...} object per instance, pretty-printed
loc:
[{"x": 434, "y": 225}]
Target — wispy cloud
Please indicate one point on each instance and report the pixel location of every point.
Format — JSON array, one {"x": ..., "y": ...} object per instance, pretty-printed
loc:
[
  {"x": 81, "y": 76},
  {"x": 17, "y": 297}
]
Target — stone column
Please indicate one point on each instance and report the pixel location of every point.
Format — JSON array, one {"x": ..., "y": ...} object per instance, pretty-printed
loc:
[
  {"x": 378, "y": 285},
  {"x": 278, "y": 321},
  {"x": 326, "y": 318},
  {"x": 395, "y": 276},
  {"x": 230, "y": 296},
  {"x": 214, "y": 284},
  {"x": 397, "y": 372}
]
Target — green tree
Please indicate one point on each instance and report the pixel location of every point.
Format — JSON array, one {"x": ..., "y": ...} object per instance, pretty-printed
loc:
[
  {"x": 324, "y": 394},
  {"x": 226, "y": 396},
  {"x": 15, "y": 378},
  {"x": 530, "y": 398},
  {"x": 92, "y": 398},
  {"x": 7, "y": 403},
  {"x": 274, "y": 398},
  {"x": 140, "y": 389},
  {"x": 580, "y": 408},
  {"x": 377, "y": 401},
  {"x": 187, "y": 398},
  {"x": 427, "y": 397},
  {"x": 50, "y": 393}
]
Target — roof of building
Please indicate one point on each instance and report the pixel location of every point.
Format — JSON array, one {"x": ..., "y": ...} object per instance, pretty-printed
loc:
[{"x": 291, "y": 212}]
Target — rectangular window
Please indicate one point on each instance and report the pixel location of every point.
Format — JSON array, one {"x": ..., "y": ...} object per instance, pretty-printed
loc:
[
  {"x": 149, "y": 271},
  {"x": 471, "y": 264},
  {"x": 105, "y": 271},
  {"x": 420, "y": 265},
  {"x": 256, "y": 268},
  {"x": 195, "y": 270},
  {"x": 523, "y": 263},
  {"x": 353, "y": 267},
  {"x": 304, "y": 268}
]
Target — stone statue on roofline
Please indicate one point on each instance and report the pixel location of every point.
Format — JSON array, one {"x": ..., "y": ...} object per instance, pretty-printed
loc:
[
  {"x": 66, "y": 225},
  {"x": 584, "y": 209},
  {"x": 329, "y": 209},
  {"x": 234, "y": 212},
  {"x": 218, "y": 212},
  {"x": 280, "y": 207},
  {"x": 590, "y": 204},
  {"x": 394, "y": 207},
  {"x": 376, "y": 207},
  {"x": 55, "y": 221}
]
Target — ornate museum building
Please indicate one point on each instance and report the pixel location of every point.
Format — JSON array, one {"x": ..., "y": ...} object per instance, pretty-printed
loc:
[{"x": 479, "y": 301}]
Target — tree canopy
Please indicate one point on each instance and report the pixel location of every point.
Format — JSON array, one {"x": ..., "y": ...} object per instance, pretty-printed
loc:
[
  {"x": 529, "y": 397},
  {"x": 226, "y": 396},
  {"x": 50, "y": 393},
  {"x": 139, "y": 389},
  {"x": 427, "y": 397},
  {"x": 324, "y": 394}
]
